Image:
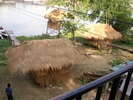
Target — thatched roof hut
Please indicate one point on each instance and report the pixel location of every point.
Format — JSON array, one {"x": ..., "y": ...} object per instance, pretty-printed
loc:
[
  {"x": 55, "y": 18},
  {"x": 55, "y": 15},
  {"x": 98, "y": 33},
  {"x": 48, "y": 60}
]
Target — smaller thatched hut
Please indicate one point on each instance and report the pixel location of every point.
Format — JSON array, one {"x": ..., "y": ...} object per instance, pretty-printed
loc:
[
  {"x": 48, "y": 60},
  {"x": 55, "y": 18},
  {"x": 97, "y": 34}
]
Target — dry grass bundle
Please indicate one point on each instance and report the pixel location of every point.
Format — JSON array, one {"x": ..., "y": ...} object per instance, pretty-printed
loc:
[
  {"x": 52, "y": 76},
  {"x": 43, "y": 57},
  {"x": 101, "y": 32}
]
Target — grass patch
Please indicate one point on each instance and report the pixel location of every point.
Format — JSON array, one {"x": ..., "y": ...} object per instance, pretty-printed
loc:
[
  {"x": 2, "y": 56},
  {"x": 79, "y": 39},
  {"x": 5, "y": 44},
  {"x": 101, "y": 51},
  {"x": 39, "y": 37},
  {"x": 83, "y": 81},
  {"x": 3, "y": 63},
  {"x": 103, "y": 72},
  {"x": 115, "y": 62}
]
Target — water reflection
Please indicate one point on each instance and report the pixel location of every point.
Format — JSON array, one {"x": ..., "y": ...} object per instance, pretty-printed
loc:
[{"x": 24, "y": 20}]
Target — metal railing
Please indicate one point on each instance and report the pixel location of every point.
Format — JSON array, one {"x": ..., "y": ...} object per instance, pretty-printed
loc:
[{"x": 99, "y": 83}]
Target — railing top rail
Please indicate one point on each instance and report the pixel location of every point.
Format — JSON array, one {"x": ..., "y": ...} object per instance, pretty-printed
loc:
[{"x": 88, "y": 87}]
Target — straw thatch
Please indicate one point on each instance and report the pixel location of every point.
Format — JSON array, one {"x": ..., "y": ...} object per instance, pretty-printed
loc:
[
  {"x": 55, "y": 15},
  {"x": 99, "y": 33},
  {"x": 55, "y": 18},
  {"x": 49, "y": 60}
]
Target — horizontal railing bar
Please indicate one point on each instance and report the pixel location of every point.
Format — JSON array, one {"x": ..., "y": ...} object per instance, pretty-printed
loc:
[{"x": 90, "y": 86}]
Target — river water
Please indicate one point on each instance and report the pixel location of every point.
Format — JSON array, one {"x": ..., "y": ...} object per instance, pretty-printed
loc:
[{"x": 24, "y": 19}]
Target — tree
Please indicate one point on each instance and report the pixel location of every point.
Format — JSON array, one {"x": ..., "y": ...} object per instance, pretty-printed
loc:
[
  {"x": 73, "y": 6},
  {"x": 114, "y": 12}
]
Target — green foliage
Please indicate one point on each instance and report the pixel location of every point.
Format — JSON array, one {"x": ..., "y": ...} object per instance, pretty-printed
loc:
[
  {"x": 2, "y": 56},
  {"x": 130, "y": 31},
  {"x": 71, "y": 25},
  {"x": 115, "y": 62},
  {"x": 114, "y": 12},
  {"x": 3, "y": 63},
  {"x": 79, "y": 39},
  {"x": 75, "y": 7},
  {"x": 127, "y": 40},
  {"x": 39, "y": 37},
  {"x": 4, "y": 44},
  {"x": 83, "y": 81},
  {"x": 103, "y": 72},
  {"x": 102, "y": 51}
]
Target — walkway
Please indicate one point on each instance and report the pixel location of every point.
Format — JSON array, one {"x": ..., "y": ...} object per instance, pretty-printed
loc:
[{"x": 14, "y": 40}]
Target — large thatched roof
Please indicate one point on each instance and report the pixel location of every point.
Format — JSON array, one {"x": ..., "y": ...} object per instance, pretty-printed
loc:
[
  {"x": 55, "y": 15},
  {"x": 43, "y": 54},
  {"x": 101, "y": 32}
]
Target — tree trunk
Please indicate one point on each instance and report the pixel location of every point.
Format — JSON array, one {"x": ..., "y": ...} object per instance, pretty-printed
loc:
[
  {"x": 106, "y": 18},
  {"x": 73, "y": 37},
  {"x": 124, "y": 49},
  {"x": 73, "y": 31}
]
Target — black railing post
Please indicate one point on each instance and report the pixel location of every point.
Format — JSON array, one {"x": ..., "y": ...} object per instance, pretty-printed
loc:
[
  {"x": 114, "y": 88},
  {"x": 126, "y": 85},
  {"x": 131, "y": 95},
  {"x": 99, "y": 92},
  {"x": 79, "y": 98}
]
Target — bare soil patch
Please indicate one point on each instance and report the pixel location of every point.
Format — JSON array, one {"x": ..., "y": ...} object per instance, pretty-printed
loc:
[{"x": 25, "y": 88}]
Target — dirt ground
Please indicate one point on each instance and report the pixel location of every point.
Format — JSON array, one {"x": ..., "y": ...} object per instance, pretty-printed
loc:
[{"x": 25, "y": 88}]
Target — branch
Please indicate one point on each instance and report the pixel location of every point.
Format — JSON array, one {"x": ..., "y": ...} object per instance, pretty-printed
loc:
[{"x": 124, "y": 49}]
